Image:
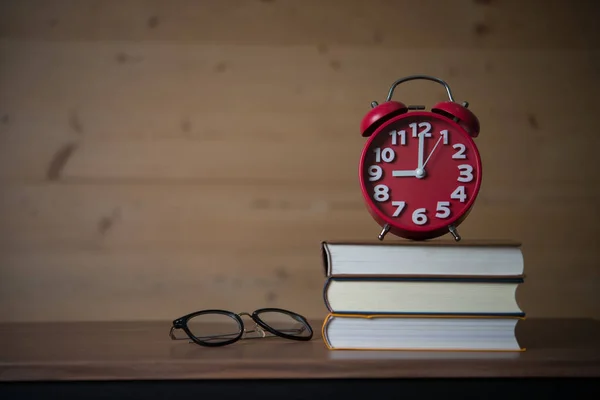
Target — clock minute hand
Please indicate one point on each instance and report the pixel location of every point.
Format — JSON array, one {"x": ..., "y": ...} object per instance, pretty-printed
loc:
[
  {"x": 421, "y": 151},
  {"x": 430, "y": 154}
]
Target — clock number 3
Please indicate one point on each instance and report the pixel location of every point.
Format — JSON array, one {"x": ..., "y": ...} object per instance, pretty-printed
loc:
[{"x": 466, "y": 173}]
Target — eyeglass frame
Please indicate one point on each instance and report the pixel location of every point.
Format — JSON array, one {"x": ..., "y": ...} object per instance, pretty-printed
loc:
[{"x": 181, "y": 323}]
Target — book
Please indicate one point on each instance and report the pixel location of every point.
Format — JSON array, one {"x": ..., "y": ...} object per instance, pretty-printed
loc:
[
  {"x": 435, "y": 258},
  {"x": 422, "y": 295},
  {"x": 412, "y": 332}
]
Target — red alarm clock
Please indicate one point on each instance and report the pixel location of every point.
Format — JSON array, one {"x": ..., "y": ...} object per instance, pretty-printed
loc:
[{"x": 420, "y": 171}]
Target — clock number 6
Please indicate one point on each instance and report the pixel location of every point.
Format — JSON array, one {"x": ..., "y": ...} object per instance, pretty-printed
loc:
[{"x": 419, "y": 217}]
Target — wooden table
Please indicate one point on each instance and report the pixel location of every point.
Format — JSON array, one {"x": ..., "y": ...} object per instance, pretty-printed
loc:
[{"x": 562, "y": 355}]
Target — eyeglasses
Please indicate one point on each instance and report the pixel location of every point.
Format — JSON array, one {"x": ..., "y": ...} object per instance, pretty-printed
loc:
[{"x": 220, "y": 327}]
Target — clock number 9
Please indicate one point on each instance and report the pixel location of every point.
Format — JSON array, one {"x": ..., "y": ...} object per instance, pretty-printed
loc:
[{"x": 375, "y": 172}]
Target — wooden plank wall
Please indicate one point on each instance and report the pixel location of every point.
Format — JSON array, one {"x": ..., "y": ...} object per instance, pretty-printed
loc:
[{"x": 158, "y": 157}]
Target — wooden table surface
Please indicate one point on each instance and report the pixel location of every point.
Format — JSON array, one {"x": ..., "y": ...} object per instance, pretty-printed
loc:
[{"x": 119, "y": 351}]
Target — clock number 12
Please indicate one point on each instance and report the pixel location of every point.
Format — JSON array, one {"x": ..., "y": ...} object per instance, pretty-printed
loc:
[{"x": 425, "y": 129}]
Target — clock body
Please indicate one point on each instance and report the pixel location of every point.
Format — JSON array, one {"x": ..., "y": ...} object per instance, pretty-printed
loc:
[{"x": 420, "y": 173}]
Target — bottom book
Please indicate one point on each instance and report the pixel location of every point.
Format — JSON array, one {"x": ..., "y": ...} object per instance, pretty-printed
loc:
[{"x": 420, "y": 332}]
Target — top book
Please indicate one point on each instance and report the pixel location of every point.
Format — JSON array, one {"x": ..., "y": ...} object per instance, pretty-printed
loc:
[{"x": 432, "y": 258}]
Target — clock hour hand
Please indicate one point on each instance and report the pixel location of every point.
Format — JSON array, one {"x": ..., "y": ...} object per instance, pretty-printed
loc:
[{"x": 398, "y": 172}]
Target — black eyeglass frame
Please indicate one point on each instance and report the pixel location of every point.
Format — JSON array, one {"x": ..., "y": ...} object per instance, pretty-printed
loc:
[{"x": 181, "y": 323}]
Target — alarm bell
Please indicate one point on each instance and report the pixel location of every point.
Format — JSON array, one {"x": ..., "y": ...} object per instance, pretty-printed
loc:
[
  {"x": 381, "y": 113},
  {"x": 459, "y": 113}
]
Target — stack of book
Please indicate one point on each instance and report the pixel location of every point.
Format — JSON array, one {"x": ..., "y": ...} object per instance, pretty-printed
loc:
[{"x": 432, "y": 295}]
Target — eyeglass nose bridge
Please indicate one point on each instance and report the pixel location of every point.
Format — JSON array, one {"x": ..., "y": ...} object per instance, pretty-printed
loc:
[{"x": 257, "y": 329}]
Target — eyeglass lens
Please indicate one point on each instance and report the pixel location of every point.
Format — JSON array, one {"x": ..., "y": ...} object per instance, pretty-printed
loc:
[
  {"x": 285, "y": 323},
  {"x": 214, "y": 328}
]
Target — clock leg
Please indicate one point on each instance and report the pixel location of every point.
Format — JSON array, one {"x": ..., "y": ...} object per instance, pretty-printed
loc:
[
  {"x": 384, "y": 231},
  {"x": 454, "y": 232}
]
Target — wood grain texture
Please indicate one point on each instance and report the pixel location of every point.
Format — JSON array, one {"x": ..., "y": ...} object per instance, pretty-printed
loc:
[
  {"x": 391, "y": 23},
  {"x": 142, "y": 350},
  {"x": 158, "y": 156}
]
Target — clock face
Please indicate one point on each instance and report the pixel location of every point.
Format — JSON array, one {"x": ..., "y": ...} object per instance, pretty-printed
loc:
[{"x": 420, "y": 172}]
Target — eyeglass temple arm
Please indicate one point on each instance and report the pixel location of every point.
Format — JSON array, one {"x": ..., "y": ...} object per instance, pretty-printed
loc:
[
  {"x": 173, "y": 337},
  {"x": 263, "y": 333}
]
